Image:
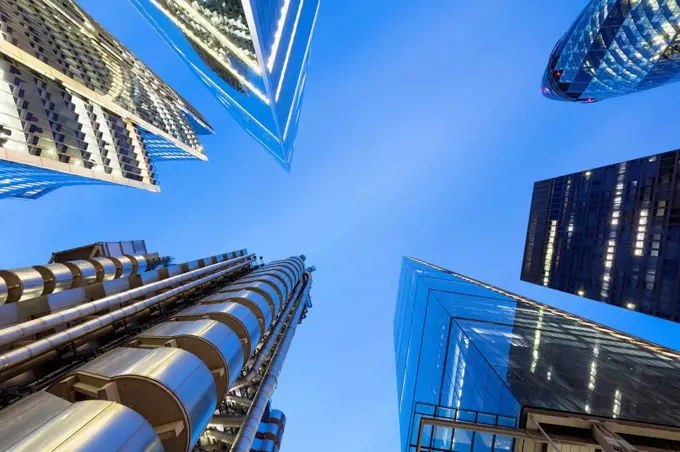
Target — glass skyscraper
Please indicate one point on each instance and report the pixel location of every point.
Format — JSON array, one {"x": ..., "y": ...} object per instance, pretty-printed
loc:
[
  {"x": 482, "y": 369},
  {"x": 615, "y": 47},
  {"x": 252, "y": 55},
  {"x": 76, "y": 107},
  {"x": 611, "y": 234},
  {"x": 109, "y": 347}
]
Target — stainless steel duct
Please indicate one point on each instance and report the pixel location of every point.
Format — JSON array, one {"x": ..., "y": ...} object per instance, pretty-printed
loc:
[
  {"x": 270, "y": 430},
  {"x": 256, "y": 302},
  {"x": 236, "y": 316},
  {"x": 246, "y": 435},
  {"x": 264, "y": 287},
  {"x": 45, "y": 422},
  {"x": 171, "y": 388},
  {"x": 227, "y": 421},
  {"x": 220, "y": 436},
  {"x": 57, "y": 277},
  {"x": 271, "y": 339},
  {"x": 214, "y": 343},
  {"x": 239, "y": 400},
  {"x": 22, "y": 354},
  {"x": 140, "y": 263},
  {"x": 263, "y": 445},
  {"x": 50, "y": 321},
  {"x": 278, "y": 273},
  {"x": 22, "y": 283},
  {"x": 125, "y": 267},
  {"x": 4, "y": 291},
  {"x": 106, "y": 268},
  {"x": 174, "y": 373},
  {"x": 277, "y": 417},
  {"x": 84, "y": 272},
  {"x": 31, "y": 282}
]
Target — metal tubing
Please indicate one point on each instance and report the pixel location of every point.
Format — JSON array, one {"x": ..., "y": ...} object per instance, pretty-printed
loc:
[
  {"x": 20, "y": 355},
  {"x": 220, "y": 436},
  {"x": 239, "y": 400},
  {"x": 31, "y": 327},
  {"x": 267, "y": 346},
  {"x": 24, "y": 283},
  {"x": 246, "y": 435},
  {"x": 227, "y": 421}
]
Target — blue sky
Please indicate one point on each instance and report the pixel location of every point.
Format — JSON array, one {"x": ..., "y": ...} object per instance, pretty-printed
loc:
[{"x": 421, "y": 134}]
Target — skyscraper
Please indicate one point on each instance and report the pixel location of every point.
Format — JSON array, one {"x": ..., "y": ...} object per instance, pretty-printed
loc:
[
  {"x": 76, "y": 107},
  {"x": 615, "y": 47},
  {"x": 611, "y": 234},
  {"x": 482, "y": 369},
  {"x": 126, "y": 352},
  {"x": 253, "y": 56}
]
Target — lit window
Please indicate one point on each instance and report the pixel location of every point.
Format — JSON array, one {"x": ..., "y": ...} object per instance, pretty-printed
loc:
[
  {"x": 581, "y": 293},
  {"x": 638, "y": 252},
  {"x": 641, "y": 236}
]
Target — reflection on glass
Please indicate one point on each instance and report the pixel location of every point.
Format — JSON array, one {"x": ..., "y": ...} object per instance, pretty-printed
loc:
[
  {"x": 505, "y": 352},
  {"x": 75, "y": 100},
  {"x": 253, "y": 56},
  {"x": 611, "y": 234},
  {"x": 613, "y": 48}
]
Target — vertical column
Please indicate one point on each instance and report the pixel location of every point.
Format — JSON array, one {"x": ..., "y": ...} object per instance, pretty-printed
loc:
[{"x": 140, "y": 153}]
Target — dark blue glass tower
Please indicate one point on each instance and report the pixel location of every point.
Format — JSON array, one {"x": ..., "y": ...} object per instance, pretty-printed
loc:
[
  {"x": 611, "y": 234},
  {"x": 615, "y": 47},
  {"x": 482, "y": 369}
]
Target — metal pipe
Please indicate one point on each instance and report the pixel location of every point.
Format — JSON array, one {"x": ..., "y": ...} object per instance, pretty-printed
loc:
[
  {"x": 220, "y": 436},
  {"x": 227, "y": 421},
  {"x": 246, "y": 435},
  {"x": 239, "y": 400},
  {"x": 20, "y": 355},
  {"x": 50, "y": 321},
  {"x": 267, "y": 346}
]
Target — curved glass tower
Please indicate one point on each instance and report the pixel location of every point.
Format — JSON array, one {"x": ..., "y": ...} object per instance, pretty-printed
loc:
[
  {"x": 615, "y": 47},
  {"x": 252, "y": 56}
]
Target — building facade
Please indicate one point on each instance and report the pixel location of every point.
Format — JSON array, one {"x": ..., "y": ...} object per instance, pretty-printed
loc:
[
  {"x": 613, "y": 48},
  {"x": 611, "y": 234},
  {"x": 128, "y": 352},
  {"x": 76, "y": 107},
  {"x": 253, "y": 56},
  {"x": 482, "y": 369}
]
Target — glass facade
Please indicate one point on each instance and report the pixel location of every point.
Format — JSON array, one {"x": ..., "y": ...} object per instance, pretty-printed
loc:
[
  {"x": 611, "y": 234},
  {"x": 80, "y": 107},
  {"x": 253, "y": 56},
  {"x": 615, "y": 47},
  {"x": 466, "y": 351}
]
